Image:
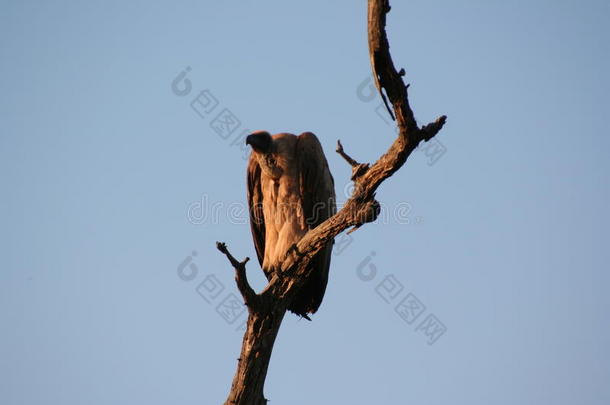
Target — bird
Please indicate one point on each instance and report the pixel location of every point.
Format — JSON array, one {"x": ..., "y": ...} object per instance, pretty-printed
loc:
[{"x": 290, "y": 191}]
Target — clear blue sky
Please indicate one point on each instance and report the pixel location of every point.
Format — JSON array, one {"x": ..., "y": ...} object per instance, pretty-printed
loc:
[{"x": 503, "y": 239}]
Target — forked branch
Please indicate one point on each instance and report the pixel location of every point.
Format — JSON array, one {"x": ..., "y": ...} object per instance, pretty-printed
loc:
[{"x": 250, "y": 297}]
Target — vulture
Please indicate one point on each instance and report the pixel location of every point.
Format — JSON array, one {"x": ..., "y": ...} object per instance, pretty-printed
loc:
[{"x": 290, "y": 191}]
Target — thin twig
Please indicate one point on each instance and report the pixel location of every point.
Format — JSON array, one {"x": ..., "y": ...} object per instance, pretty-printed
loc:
[
  {"x": 345, "y": 156},
  {"x": 358, "y": 169}
]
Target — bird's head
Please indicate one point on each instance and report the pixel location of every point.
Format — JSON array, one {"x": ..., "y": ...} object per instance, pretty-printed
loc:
[{"x": 260, "y": 141}]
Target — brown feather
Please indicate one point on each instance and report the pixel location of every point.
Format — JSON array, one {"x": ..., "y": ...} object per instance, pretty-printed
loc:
[{"x": 255, "y": 203}]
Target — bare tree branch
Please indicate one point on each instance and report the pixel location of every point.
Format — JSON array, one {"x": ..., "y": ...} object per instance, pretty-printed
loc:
[
  {"x": 250, "y": 297},
  {"x": 344, "y": 155},
  {"x": 268, "y": 307},
  {"x": 430, "y": 130},
  {"x": 358, "y": 169}
]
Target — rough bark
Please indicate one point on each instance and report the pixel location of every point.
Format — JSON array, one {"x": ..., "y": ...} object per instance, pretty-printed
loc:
[
  {"x": 266, "y": 309},
  {"x": 249, "y": 381}
]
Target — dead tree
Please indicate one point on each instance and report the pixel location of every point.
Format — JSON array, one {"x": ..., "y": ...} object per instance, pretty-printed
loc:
[{"x": 267, "y": 308}]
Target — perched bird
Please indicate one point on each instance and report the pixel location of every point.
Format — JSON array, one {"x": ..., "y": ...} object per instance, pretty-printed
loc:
[{"x": 290, "y": 191}]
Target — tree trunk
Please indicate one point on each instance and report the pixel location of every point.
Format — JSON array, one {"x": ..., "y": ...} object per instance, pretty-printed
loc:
[{"x": 249, "y": 381}]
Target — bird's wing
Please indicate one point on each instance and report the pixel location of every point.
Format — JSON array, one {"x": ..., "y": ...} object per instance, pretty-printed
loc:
[
  {"x": 317, "y": 186},
  {"x": 255, "y": 204},
  {"x": 317, "y": 191}
]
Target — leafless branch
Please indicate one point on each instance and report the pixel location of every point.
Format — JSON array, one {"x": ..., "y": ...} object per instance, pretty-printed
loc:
[
  {"x": 358, "y": 169},
  {"x": 344, "y": 155},
  {"x": 430, "y": 130},
  {"x": 250, "y": 297}
]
